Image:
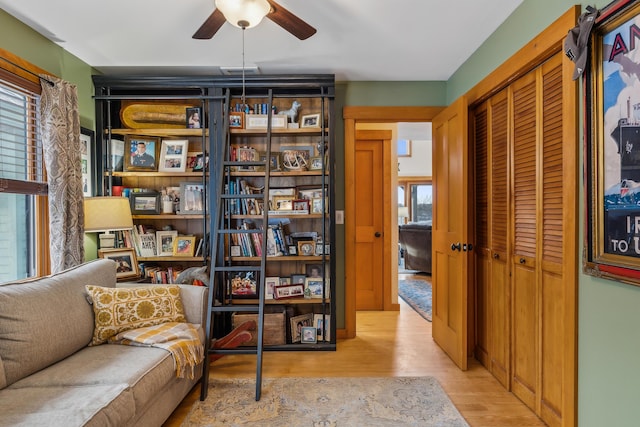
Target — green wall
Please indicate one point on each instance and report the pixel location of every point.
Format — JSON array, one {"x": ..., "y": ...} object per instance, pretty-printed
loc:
[{"x": 609, "y": 312}]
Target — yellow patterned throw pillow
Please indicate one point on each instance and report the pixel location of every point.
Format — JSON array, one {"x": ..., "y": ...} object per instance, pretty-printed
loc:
[{"x": 122, "y": 309}]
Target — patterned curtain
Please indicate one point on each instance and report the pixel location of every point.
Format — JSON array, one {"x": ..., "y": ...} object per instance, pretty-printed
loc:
[{"x": 60, "y": 133}]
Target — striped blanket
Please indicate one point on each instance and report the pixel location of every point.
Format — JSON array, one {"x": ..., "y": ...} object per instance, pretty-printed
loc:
[{"x": 180, "y": 339}]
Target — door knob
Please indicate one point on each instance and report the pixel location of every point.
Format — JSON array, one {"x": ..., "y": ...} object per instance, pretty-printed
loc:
[
  {"x": 522, "y": 260},
  {"x": 456, "y": 246},
  {"x": 378, "y": 234}
]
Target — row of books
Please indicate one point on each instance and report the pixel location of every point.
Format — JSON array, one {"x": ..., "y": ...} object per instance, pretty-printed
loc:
[
  {"x": 250, "y": 244},
  {"x": 244, "y": 206}
]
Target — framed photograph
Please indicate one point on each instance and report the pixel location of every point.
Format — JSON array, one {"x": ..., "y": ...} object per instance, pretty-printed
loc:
[
  {"x": 142, "y": 153},
  {"x": 313, "y": 287},
  {"x": 309, "y": 335},
  {"x": 184, "y": 246},
  {"x": 236, "y": 119},
  {"x": 319, "y": 205},
  {"x": 322, "y": 324},
  {"x": 285, "y": 281},
  {"x": 87, "y": 164},
  {"x": 117, "y": 155},
  {"x": 192, "y": 158},
  {"x": 145, "y": 203},
  {"x": 310, "y": 121},
  {"x": 201, "y": 163},
  {"x": 235, "y": 251},
  {"x": 282, "y": 203},
  {"x": 314, "y": 270},
  {"x": 612, "y": 146},
  {"x": 310, "y": 193},
  {"x": 194, "y": 118},
  {"x": 301, "y": 205},
  {"x": 173, "y": 156},
  {"x": 298, "y": 278},
  {"x": 260, "y": 121},
  {"x": 270, "y": 284},
  {"x": 293, "y": 250},
  {"x": 192, "y": 198},
  {"x": 274, "y": 161},
  {"x": 309, "y": 149},
  {"x": 299, "y": 322},
  {"x": 247, "y": 154},
  {"x": 276, "y": 192},
  {"x": 289, "y": 291},
  {"x": 125, "y": 258},
  {"x": 164, "y": 242},
  {"x": 244, "y": 284},
  {"x": 307, "y": 248},
  {"x": 315, "y": 164}
]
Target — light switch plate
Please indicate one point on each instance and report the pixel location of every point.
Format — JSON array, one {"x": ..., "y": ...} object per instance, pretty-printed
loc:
[{"x": 339, "y": 217}]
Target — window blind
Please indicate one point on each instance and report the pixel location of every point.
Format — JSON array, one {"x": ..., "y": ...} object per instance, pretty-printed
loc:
[{"x": 21, "y": 158}]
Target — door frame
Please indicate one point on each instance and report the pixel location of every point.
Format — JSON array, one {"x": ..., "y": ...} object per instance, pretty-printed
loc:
[{"x": 353, "y": 115}]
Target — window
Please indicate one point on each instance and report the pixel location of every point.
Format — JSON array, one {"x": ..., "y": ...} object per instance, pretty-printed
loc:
[
  {"x": 404, "y": 148},
  {"x": 417, "y": 195},
  {"x": 22, "y": 186}
]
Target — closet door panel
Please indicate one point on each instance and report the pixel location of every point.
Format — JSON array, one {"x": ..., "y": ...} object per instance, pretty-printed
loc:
[
  {"x": 482, "y": 232},
  {"x": 499, "y": 211},
  {"x": 554, "y": 206},
  {"x": 525, "y": 285}
]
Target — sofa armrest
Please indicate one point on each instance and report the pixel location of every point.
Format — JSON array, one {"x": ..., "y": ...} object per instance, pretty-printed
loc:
[{"x": 194, "y": 301}]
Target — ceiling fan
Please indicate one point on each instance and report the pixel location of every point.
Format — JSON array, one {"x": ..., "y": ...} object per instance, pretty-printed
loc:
[{"x": 249, "y": 13}]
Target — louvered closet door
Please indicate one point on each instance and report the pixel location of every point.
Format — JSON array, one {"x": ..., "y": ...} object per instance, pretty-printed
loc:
[
  {"x": 525, "y": 285},
  {"x": 491, "y": 121},
  {"x": 499, "y": 214},
  {"x": 482, "y": 234},
  {"x": 558, "y": 214}
]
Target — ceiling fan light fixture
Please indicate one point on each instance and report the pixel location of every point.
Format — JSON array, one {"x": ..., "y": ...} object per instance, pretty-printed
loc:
[{"x": 243, "y": 13}]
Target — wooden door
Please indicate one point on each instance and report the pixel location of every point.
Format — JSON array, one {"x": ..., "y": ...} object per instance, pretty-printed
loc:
[
  {"x": 525, "y": 291},
  {"x": 451, "y": 238},
  {"x": 490, "y": 134},
  {"x": 499, "y": 319},
  {"x": 369, "y": 220}
]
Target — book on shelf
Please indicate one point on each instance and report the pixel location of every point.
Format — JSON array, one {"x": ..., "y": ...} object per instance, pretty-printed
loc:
[{"x": 147, "y": 245}]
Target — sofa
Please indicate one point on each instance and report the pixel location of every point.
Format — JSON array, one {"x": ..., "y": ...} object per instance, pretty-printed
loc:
[
  {"x": 51, "y": 376},
  {"x": 415, "y": 244}
]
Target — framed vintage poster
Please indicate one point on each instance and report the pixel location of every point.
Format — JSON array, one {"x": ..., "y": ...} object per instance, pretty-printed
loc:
[
  {"x": 87, "y": 138},
  {"x": 612, "y": 145}
]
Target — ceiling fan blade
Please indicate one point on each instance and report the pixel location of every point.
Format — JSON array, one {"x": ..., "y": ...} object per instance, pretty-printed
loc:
[
  {"x": 289, "y": 21},
  {"x": 210, "y": 26}
]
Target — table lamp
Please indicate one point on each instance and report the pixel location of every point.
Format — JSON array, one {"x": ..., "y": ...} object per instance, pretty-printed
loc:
[
  {"x": 403, "y": 212},
  {"x": 107, "y": 214}
]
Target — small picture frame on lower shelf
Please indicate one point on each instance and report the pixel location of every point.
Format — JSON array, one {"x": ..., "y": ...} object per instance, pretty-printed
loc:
[
  {"x": 289, "y": 291},
  {"x": 308, "y": 335},
  {"x": 322, "y": 323}
]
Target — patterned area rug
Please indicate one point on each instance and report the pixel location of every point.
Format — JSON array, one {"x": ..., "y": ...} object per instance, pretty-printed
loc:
[
  {"x": 336, "y": 402},
  {"x": 416, "y": 293}
]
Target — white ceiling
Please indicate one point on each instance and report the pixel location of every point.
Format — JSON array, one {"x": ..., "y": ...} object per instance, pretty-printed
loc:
[{"x": 357, "y": 40}]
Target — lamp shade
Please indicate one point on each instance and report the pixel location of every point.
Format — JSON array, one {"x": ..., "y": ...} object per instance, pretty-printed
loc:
[
  {"x": 107, "y": 214},
  {"x": 243, "y": 13},
  {"x": 403, "y": 211}
]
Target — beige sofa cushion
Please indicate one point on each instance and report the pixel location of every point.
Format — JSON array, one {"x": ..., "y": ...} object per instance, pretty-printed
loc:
[
  {"x": 122, "y": 309},
  {"x": 46, "y": 319}
]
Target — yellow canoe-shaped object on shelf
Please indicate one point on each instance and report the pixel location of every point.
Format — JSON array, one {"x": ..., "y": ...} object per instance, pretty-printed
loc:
[{"x": 148, "y": 114}]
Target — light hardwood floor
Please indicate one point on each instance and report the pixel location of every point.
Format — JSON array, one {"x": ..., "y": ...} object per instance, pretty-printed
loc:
[{"x": 387, "y": 344}]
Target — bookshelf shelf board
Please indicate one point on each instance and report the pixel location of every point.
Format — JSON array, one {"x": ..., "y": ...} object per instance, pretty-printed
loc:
[
  {"x": 159, "y": 132},
  {"x": 171, "y": 258}
]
